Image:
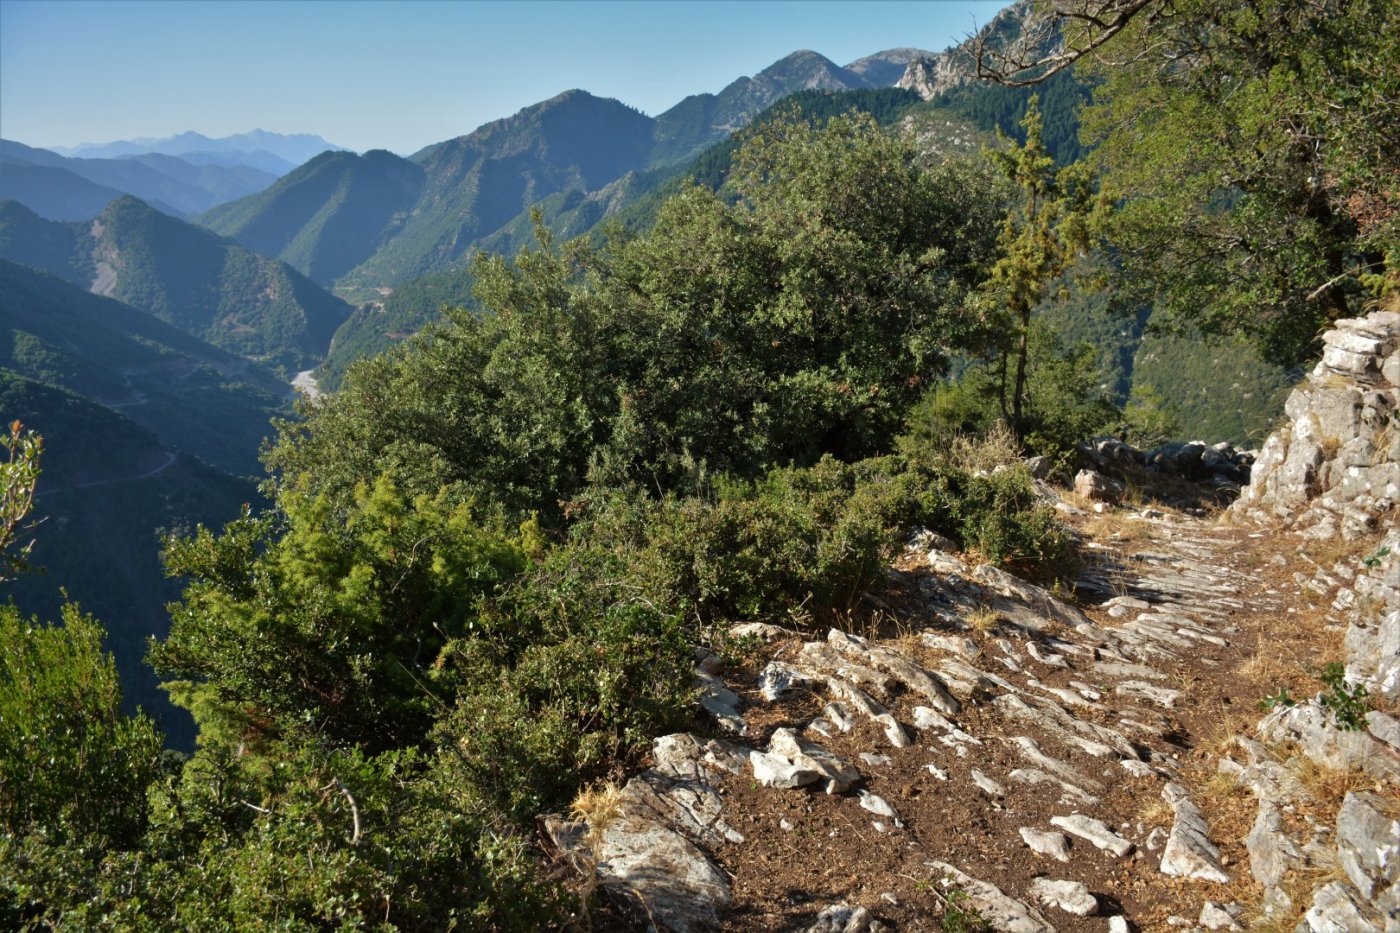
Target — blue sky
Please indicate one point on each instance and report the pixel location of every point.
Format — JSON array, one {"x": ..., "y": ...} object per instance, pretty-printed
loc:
[{"x": 400, "y": 76}]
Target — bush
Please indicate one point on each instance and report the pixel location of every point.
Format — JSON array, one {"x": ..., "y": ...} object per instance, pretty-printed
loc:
[
  {"x": 584, "y": 672},
  {"x": 999, "y": 516},
  {"x": 71, "y": 762},
  {"x": 1065, "y": 404},
  {"x": 799, "y": 543}
]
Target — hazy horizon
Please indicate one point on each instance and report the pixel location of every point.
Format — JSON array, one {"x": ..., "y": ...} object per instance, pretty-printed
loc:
[{"x": 371, "y": 75}]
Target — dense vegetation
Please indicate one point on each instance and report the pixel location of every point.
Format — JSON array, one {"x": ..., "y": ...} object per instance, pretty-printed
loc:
[
  {"x": 490, "y": 553},
  {"x": 633, "y": 201}
]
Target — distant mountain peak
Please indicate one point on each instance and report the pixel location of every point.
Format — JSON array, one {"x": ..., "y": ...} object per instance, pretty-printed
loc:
[{"x": 294, "y": 148}]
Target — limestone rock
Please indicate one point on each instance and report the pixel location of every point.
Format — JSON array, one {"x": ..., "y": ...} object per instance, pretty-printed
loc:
[
  {"x": 999, "y": 910},
  {"x": 842, "y": 918},
  {"x": 1072, "y": 897},
  {"x": 792, "y": 761},
  {"x": 1368, "y": 842},
  {"x": 1336, "y": 908},
  {"x": 1216, "y": 917},
  {"x": 676, "y": 884},
  {"x": 1272, "y": 854},
  {"x": 1050, "y": 844},
  {"x": 1189, "y": 853},
  {"x": 720, "y": 702},
  {"x": 1096, "y": 487},
  {"x": 1309, "y": 725},
  {"x": 1095, "y": 832}
]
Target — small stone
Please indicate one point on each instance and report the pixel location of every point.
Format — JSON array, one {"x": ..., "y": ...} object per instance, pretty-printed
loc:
[
  {"x": 1070, "y": 896},
  {"x": 1052, "y": 845},
  {"x": 875, "y": 760},
  {"x": 1156, "y": 839},
  {"x": 1117, "y": 924},
  {"x": 1094, "y": 831},
  {"x": 936, "y": 772},
  {"x": 760, "y": 630},
  {"x": 1216, "y": 917},
  {"x": 1096, "y": 487},
  {"x": 1162, "y": 696},
  {"x": 988, "y": 786},
  {"x": 875, "y": 804},
  {"x": 1138, "y": 769},
  {"x": 784, "y": 824},
  {"x": 720, "y": 702},
  {"x": 842, "y": 918}
]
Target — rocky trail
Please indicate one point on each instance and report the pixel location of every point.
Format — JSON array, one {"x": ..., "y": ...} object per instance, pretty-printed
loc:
[{"x": 979, "y": 753}]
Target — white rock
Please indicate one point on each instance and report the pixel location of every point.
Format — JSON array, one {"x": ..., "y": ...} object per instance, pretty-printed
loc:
[
  {"x": 877, "y": 805},
  {"x": 1216, "y": 917},
  {"x": 1072, "y": 897},
  {"x": 1096, "y": 832},
  {"x": 988, "y": 786},
  {"x": 1189, "y": 853},
  {"x": 1053, "y": 845}
]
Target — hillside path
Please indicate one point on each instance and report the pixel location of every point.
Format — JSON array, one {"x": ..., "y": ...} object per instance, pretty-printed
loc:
[
  {"x": 169, "y": 459},
  {"x": 980, "y": 744}
]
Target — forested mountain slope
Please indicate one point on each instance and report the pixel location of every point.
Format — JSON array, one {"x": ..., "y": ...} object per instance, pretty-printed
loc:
[
  {"x": 205, "y": 285},
  {"x": 175, "y": 186},
  {"x": 327, "y": 216},
  {"x": 147, "y": 429}
]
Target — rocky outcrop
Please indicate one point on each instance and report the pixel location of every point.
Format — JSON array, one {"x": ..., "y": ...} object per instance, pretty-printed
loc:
[
  {"x": 1332, "y": 472},
  {"x": 1334, "y": 468},
  {"x": 929, "y": 77}
]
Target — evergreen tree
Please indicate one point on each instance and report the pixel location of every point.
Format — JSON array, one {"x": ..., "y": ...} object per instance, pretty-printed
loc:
[{"x": 1042, "y": 236}]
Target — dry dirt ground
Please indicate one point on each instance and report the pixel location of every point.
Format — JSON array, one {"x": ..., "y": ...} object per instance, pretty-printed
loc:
[{"x": 1253, "y": 630}]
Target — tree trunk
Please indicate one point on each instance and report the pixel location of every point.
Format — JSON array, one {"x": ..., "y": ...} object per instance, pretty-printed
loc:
[{"x": 1018, "y": 399}]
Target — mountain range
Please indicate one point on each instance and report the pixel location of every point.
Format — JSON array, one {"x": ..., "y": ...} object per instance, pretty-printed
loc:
[
  {"x": 395, "y": 220},
  {"x": 252, "y": 148},
  {"x": 61, "y": 188},
  {"x": 184, "y": 275}
]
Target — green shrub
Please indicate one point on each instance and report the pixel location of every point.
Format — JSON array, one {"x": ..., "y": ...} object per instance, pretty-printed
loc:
[
  {"x": 71, "y": 763},
  {"x": 999, "y": 516},
  {"x": 801, "y": 542},
  {"x": 585, "y": 671}
]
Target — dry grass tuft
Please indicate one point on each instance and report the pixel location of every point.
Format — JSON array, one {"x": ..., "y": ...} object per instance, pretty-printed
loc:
[
  {"x": 982, "y": 620},
  {"x": 1328, "y": 786},
  {"x": 996, "y": 447},
  {"x": 598, "y": 806}
]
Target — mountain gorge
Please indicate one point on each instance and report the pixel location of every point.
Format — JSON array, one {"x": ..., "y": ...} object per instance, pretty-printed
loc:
[
  {"x": 146, "y": 429},
  {"x": 184, "y": 275}
]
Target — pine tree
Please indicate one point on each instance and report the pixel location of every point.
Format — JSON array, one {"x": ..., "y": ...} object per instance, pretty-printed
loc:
[{"x": 1044, "y": 233}]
